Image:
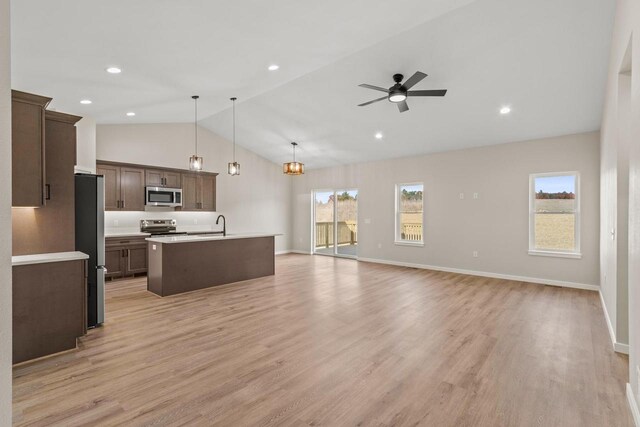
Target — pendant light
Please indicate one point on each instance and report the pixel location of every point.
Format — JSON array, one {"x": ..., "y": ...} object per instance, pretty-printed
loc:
[
  {"x": 234, "y": 167},
  {"x": 293, "y": 168},
  {"x": 195, "y": 162}
]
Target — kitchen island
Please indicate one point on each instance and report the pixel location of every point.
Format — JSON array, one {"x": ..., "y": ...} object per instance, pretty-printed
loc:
[{"x": 180, "y": 264}]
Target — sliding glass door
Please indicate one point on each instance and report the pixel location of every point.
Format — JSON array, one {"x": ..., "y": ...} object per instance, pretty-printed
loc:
[{"x": 336, "y": 222}]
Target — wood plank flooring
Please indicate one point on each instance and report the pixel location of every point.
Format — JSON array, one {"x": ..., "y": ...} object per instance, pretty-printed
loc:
[{"x": 336, "y": 342}]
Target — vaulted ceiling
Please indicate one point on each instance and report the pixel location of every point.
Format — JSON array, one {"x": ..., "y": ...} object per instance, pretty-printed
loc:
[{"x": 546, "y": 59}]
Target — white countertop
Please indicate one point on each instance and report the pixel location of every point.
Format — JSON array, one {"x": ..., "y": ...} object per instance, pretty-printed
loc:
[
  {"x": 185, "y": 239},
  {"x": 45, "y": 258},
  {"x": 109, "y": 234},
  {"x": 128, "y": 232}
]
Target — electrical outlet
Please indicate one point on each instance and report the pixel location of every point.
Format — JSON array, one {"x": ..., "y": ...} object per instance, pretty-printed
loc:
[
  {"x": 461, "y": 196},
  {"x": 115, "y": 222},
  {"x": 367, "y": 220},
  {"x": 379, "y": 245},
  {"x": 476, "y": 195},
  {"x": 475, "y": 254},
  {"x": 300, "y": 239}
]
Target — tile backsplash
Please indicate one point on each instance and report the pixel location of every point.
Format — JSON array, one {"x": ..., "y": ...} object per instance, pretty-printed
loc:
[{"x": 186, "y": 221}]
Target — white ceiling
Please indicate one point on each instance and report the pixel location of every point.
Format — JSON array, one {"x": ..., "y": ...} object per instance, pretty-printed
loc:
[
  {"x": 547, "y": 59},
  {"x": 170, "y": 50}
]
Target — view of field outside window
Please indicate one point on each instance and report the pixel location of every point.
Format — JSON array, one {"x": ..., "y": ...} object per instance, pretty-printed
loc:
[
  {"x": 345, "y": 203},
  {"x": 555, "y": 213},
  {"x": 410, "y": 215}
]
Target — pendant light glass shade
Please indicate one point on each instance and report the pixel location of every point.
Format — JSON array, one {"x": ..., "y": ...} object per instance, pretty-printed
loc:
[
  {"x": 293, "y": 168},
  {"x": 195, "y": 162},
  {"x": 234, "y": 167}
]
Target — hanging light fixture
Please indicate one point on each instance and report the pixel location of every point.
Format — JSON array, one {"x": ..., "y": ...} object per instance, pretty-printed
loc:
[
  {"x": 195, "y": 162},
  {"x": 234, "y": 167},
  {"x": 293, "y": 168}
]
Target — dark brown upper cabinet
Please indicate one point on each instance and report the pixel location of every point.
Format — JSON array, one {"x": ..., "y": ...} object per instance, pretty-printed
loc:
[
  {"x": 28, "y": 149},
  {"x": 52, "y": 228},
  {"x": 162, "y": 178},
  {"x": 198, "y": 192},
  {"x": 123, "y": 187}
]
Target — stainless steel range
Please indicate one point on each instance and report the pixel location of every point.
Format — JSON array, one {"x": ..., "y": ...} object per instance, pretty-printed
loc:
[{"x": 159, "y": 227}]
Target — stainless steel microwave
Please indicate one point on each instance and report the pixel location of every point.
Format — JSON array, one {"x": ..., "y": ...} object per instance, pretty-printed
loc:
[{"x": 162, "y": 196}]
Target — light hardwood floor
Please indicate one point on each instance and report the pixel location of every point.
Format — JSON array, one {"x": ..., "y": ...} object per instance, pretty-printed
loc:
[{"x": 336, "y": 342}]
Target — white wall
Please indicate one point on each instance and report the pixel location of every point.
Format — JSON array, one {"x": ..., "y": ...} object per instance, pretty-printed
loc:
[
  {"x": 256, "y": 200},
  {"x": 618, "y": 124},
  {"x": 5, "y": 216},
  {"x": 86, "y": 145},
  {"x": 495, "y": 225}
]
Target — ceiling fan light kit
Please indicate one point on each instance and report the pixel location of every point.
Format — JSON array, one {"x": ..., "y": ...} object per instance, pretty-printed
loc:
[{"x": 399, "y": 92}]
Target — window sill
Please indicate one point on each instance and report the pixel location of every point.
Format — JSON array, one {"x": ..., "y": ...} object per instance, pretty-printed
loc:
[
  {"x": 401, "y": 243},
  {"x": 573, "y": 255}
]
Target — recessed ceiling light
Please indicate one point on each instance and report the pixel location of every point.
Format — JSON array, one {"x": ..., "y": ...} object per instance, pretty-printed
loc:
[
  {"x": 131, "y": 114},
  {"x": 114, "y": 70},
  {"x": 505, "y": 110},
  {"x": 379, "y": 135},
  {"x": 273, "y": 67},
  {"x": 85, "y": 101}
]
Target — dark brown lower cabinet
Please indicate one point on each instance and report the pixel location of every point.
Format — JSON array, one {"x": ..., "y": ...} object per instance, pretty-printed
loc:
[
  {"x": 125, "y": 256},
  {"x": 49, "y": 308}
]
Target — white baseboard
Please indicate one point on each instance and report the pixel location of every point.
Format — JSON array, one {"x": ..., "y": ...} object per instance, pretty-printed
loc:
[
  {"x": 633, "y": 405},
  {"x": 617, "y": 347},
  {"x": 621, "y": 348},
  {"x": 286, "y": 251},
  {"x": 486, "y": 274}
]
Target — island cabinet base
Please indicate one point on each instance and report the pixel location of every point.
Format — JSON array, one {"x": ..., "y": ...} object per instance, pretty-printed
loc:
[{"x": 175, "y": 268}]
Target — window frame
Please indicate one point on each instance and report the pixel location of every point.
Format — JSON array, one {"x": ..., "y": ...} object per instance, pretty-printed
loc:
[
  {"x": 397, "y": 233},
  {"x": 576, "y": 252}
]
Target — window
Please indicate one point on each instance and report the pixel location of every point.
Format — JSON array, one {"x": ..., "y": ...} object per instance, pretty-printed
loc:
[
  {"x": 409, "y": 214},
  {"x": 554, "y": 217}
]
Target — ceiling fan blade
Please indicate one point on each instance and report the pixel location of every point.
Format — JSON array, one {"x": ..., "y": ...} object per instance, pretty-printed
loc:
[
  {"x": 413, "y": 80},
  {"x": 381, "y": 89},
  {"x": 371, "y": 102},
  {"x": 402, "y": 106},
  {"x": 427, "y": 92}
]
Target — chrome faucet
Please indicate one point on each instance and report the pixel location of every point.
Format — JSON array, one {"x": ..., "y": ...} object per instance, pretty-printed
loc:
[{"x": 224, "y": 224}]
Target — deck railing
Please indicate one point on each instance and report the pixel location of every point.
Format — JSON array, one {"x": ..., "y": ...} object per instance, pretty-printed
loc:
[
  {"x": 347, "y": 234},
  {"x": 412, "y": 232}
]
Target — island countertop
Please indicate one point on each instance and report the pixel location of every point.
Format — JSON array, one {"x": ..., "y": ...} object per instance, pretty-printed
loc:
[{"x": 202, "y": 238}]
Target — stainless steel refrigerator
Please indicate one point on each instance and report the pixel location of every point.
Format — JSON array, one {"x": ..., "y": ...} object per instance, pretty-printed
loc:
[{"x": 90, "y": 240}]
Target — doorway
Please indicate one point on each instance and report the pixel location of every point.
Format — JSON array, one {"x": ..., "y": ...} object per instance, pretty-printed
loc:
[{"x": 335, "y": 225}]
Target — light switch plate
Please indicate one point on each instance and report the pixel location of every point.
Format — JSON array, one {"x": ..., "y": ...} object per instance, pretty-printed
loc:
[{"x": 461, "y": 196}]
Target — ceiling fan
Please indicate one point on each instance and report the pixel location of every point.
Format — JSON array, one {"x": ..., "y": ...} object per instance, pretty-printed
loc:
[{"x": 399, "y": 92}]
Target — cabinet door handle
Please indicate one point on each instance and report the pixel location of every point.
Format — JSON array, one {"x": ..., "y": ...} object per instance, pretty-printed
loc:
[
  {"x": 48, "y": 192},
  {"x": 123, "y": 204}
]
